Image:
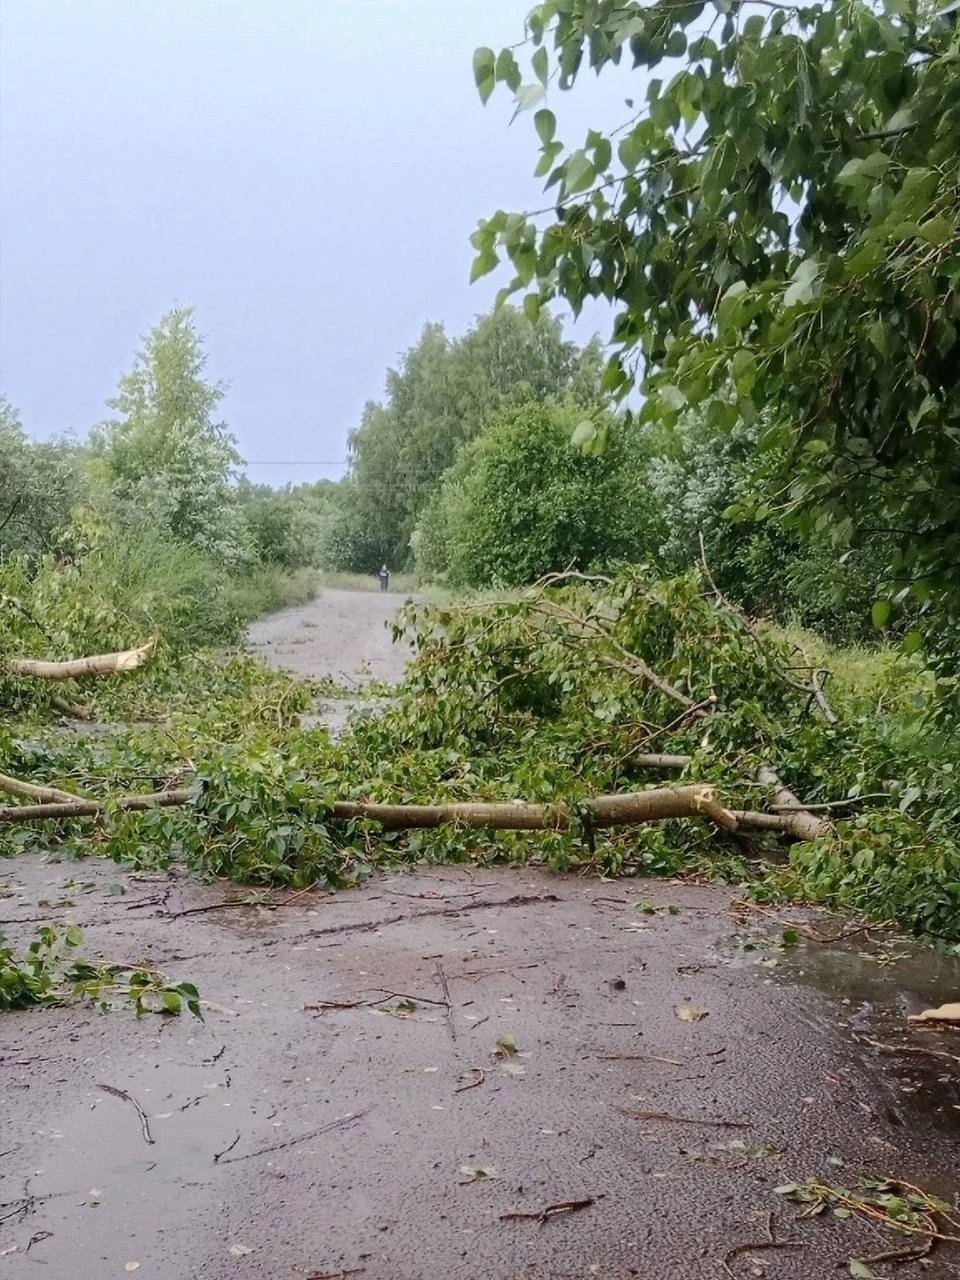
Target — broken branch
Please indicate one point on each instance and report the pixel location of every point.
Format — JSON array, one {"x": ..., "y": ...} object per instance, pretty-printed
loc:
[
  {"x": 628, "y": 809},
  {"x": 92, "y": 808},
  {"x": 99, "y": 664},
  {"x": 142, "y": 1115},
  {"x": 551, "y": 1211},
  {"x": 73, "y": 709},
  {"x": 666, "y": 1116},
  {"x": 43, "y": 795},
  {"x": 803, "y": 823}
]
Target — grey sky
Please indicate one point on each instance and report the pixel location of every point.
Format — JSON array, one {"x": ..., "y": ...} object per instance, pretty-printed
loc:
[{"x": 306, "y": 173}]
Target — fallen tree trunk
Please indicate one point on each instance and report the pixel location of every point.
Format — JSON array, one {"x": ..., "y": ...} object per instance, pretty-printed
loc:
[
  {"x": 806, "y": 825},
  {"x": 43, "y": 795},
  {"x": 73, "y": 709},
  {"x": 791, "y": 817},
  {"x": 632, "y": 808},
  {"x": 629, "y": 809},
  {"x": 92, "y": 808},
  {"x": 796, "y": 825},
  {"x": 98, "y": 664},
  {"x": 660, "y": 760}
]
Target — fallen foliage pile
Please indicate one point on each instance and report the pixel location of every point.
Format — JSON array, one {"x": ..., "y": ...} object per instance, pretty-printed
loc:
[{"x": 535, "y": 726}]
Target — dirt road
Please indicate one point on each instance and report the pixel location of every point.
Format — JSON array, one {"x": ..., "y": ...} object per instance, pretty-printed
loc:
[
  {"x": 394, "y": 1083},
  {"x": 341, "y": 634}
]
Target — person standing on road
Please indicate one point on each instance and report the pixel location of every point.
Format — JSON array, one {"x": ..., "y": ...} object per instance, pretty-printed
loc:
[{"x": 384, "y": 576}]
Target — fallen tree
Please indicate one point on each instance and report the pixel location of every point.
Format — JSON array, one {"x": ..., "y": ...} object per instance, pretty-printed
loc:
[
  {"x": 570, "y": 695},
  {"x": 99, "y": 664},
  {"x": 628, "y": 809}
]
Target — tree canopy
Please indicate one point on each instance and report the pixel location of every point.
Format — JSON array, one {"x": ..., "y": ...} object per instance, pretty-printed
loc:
[
  {"x": 40, "y": 482},
  {"x": 165, "y": 458},
  {"x": 521, "y": 502},
  {"x": 779, "y": 215},
  {"x": 439, "y": 398}
]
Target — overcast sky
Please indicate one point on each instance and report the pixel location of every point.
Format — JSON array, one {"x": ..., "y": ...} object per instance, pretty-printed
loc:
[{"x": 305, "y": 173}]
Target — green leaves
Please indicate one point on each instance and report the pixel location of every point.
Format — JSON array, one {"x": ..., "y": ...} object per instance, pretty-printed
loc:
[
  {"x": 579, "y": 173},
  {"x": 506, "y": 70},
  {"x": 632, "y": 148},
  {"x": 880, "y": 613},
  {"x": 807, "y": 316},
  {"x": 732, "y": 309},
  {"x": 49, "y": 974},
  {"x": 861, "y": 1270},
  {"x": 672, "y": 397},
  {"x": 584, "y": 433},
  {"x": 938, "y": 231},
  {"x": 857, "y": 171},
  {"x": 744, "y": 370},
  {"x": 590, "y": 438},
  {"x": 528, "y": 95},
  {"x": 484, "y": 72},
  {"x": 545, "y": 123},
  {"x": 802, "y": 286}
]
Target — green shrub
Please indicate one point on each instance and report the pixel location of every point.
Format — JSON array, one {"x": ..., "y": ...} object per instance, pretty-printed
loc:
[{"x": 522, "y": 501}]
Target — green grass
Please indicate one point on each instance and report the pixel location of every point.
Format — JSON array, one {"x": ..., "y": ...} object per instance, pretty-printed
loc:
[
  {"x": 881, "y": 679},
  {"x": 268, "y": 590}
]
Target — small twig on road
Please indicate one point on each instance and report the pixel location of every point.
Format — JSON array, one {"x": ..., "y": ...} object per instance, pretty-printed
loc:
[
  {"x": 750, "y": 1246},
  {"x": 155, "y": 900},
  {"x": 324, "y": 1006},
  {"x": 342, "y": 1122},
  {"x": 485, "y": 904},
  {"x": 639, "y": 1057},
  {"x": 445, "y": 987},
  {"x": 909, "y": 1048},
  {"x": 21, "y": 1208},
  {"x": 912, "y": 1253},
  {"x": 144, "y": 1122},
  {"x": 215, "y": 906},
  {"x": 479, "y": 1075},
  {"x": 480, "y": 1021},
  {"x": 285, "y": 902},
  {"x": 217, "y": 1154},
  {"x": 489, "y": 973},
  {"x": 335, "y": 1275},
  {"x": 551, "y": 1211},
  {"x": 665, "y": 1115},
  {"x": 405, "y": 995}
]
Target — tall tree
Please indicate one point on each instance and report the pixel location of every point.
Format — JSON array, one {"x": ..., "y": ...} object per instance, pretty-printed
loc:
[
  {"x": 780, "y": 213},
  {"x": 165, "y": 458},
  {"x": 441, "y": 396}
]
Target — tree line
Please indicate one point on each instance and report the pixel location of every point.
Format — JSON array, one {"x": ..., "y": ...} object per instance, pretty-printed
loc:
[{"x": 492, "y": 459}]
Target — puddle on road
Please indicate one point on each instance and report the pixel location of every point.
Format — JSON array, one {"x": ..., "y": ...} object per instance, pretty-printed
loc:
[
  {"x": 874, "y": 984},
  {"x": 104, "y": 1191}
]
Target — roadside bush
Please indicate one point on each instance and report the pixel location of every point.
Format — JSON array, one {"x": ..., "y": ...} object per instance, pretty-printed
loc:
[
  {"x": 704, "y": 486},
  {"x": 40, "y": 482},
  {"x": 522, "y": 501}
]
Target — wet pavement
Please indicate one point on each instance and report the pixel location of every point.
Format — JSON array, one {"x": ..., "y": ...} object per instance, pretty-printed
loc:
[
  {"x": 341, "y": 635},
  {"x": 673, "y": 1065}
]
